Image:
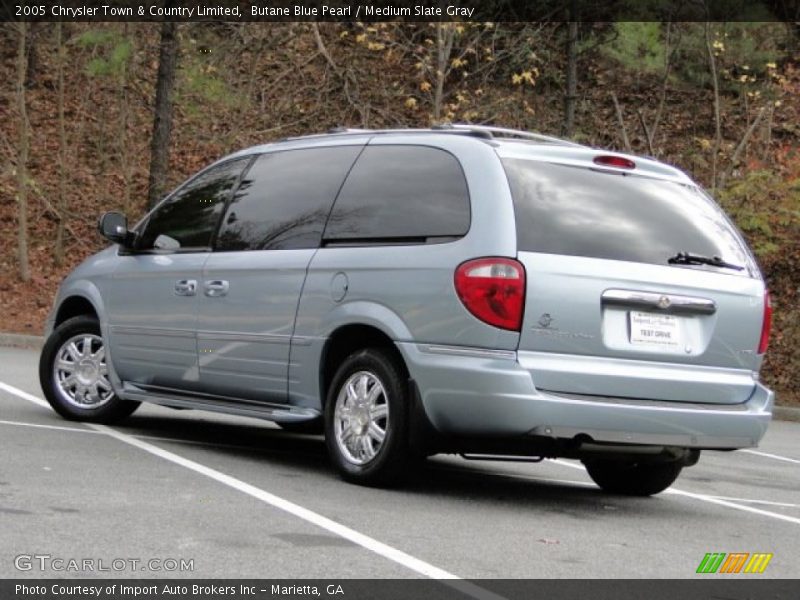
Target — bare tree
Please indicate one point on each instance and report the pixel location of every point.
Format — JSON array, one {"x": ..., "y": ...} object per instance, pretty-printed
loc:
[
  {"x": 712, "y": 65},
  {"x": 571, "y": 92},
  {"x": 22, "y": 156},
  {"x": 669, "y": 51},
  {"x": 445, "y": 34},
  {"x": 162, "y": 118},
  {"x": 58, "y": 251}
]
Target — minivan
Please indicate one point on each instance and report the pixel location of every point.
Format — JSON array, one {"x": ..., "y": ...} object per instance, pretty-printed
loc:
[{"x": 462, "y": 289}]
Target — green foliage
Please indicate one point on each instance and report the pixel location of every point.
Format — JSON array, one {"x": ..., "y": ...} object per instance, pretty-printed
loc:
[
  {"x": 741, "y": 50},
  {"x": 767, "y": 209},
  {"x": 202, "y": 86},
  {"x": 113, "y": 51},
  {"x": 637, "y": 45}
]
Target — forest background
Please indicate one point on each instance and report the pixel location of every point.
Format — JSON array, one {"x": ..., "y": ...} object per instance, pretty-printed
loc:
[{"x": 78, "y": 102}]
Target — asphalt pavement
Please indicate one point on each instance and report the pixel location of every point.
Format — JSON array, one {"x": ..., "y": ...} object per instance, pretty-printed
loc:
[{"x": 191, "y": 494}]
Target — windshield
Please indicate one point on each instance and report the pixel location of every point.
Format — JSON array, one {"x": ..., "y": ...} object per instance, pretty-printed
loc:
[{"x": 585, "y": 212}]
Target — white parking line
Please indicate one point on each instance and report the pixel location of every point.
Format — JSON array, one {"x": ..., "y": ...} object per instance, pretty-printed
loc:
[
  {"x": 504, "y": 475},
  {"x": 393, "y": 554},
  {"x": 709, "y": 499},
  {"x": 24, "y": 395},
  {"x": 748, "y": 500},
  {"x": 56, "y": 427},
  {"x": 775, "y": 456}
]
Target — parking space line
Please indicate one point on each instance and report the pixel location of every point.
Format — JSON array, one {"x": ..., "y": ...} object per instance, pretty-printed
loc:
[
  {"x": 710, "y": 499},
  {"x": 41, "y": 426},
  {"x": 748, "y": 500},
  {"x": 24, "y": 395},
  {"x": 389, "y": 552},
  {"x": 775, "y": 456},
  {"x": 504, "y": 475}
]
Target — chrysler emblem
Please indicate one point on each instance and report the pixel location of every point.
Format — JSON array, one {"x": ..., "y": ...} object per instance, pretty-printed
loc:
[{"x": 664, "y": 302}]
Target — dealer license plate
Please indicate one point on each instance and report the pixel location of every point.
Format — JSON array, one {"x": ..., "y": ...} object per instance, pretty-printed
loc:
[{"x": 651, "y": 329}]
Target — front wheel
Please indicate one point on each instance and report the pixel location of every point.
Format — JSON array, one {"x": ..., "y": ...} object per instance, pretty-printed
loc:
[
  {"x": 632, "y": 478},
  {"x": 366, "y": 418},
  {"x": 73, "y": 374}
]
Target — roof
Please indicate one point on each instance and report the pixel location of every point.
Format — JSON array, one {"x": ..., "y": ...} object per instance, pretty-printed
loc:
[{"x": 509, "y": 143}]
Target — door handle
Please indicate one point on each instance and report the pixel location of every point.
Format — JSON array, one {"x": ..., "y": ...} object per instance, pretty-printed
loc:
[
  {"x": 216, "y": 288},
  {"x": 668, "y": 303},
  {"x": 186, "y": 287}
]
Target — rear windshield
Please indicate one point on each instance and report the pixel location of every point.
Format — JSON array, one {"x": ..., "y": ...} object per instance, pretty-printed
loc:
[{"x": 583, "y": 212}]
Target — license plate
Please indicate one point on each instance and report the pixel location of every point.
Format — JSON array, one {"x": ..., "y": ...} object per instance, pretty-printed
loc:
[{"x": 652, "y": 329}]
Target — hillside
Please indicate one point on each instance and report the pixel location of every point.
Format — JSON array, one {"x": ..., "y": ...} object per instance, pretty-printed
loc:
[{"x": 244, "y": 84}]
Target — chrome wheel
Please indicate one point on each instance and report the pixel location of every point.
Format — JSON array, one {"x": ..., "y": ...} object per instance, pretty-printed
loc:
[
  {"x": 80, "y": 372},
  {"x": 361, "y": 417}
]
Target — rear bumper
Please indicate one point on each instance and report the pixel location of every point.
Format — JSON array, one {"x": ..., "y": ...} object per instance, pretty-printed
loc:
[{"x": 472, "y": 392}]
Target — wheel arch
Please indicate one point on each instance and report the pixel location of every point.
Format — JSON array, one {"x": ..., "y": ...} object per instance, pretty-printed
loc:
[
  {"x": 75, "y": 305},
  {"x": 345, "y": 340}
]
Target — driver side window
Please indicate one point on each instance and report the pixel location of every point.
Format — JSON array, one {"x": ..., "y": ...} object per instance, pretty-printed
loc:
[{"x": 188, "y": 218}]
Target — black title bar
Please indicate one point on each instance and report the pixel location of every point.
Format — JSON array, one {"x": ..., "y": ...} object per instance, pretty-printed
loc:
[{"x": 410, "y": 11}]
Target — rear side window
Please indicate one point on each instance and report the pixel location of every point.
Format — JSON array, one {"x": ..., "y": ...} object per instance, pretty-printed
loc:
[
  {"x": 577, "y": 211},
  {"x": 188, "y": 218},
  {"x": 401, "y": 193},
  {"x": 284, "y": 199}
]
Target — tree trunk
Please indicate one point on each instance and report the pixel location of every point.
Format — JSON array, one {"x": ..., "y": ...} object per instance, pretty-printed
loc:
[
  {"x": 122, "y": 133},
  {"x": 22, "y": 160},
  {"x": 712, "y": 64},
  {"x": 58, "y": 251},
  {"x": 571, "y": 94},
  {"x": 445, "y": 35},
  {"x": 162, "y": 118},
  {"x": 32, "y": 58}
]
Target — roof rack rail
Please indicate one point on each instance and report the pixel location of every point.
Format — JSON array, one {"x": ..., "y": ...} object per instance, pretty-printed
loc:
[
  {"x": 504, "y": 132},
  {"x": 482, "y": 131},
  {"x": 342, "y": 129}
]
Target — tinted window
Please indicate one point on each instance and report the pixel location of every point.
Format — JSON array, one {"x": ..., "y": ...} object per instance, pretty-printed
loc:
[
  {"x": 188, "y": 218},
  {"x": 401, "y": 192},
  {"x": 577, "y": 211},
  {"x": 284, "y": 199}
]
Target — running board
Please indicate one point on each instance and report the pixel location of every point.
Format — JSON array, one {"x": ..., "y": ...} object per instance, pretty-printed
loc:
[{"x": 280, "y": 413}]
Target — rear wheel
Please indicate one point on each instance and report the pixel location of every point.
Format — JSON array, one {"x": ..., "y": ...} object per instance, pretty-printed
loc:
[
  {"x": 632, "y": 478},
  {"x": 366, "y": 418},
  {"x": 73, "y": 373}
]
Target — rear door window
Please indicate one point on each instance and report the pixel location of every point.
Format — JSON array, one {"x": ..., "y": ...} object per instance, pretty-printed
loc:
[
  {"x": 584, "y": 212},
  {"x": 401, "y": 193},
  {"x": 284, "y": 199}
]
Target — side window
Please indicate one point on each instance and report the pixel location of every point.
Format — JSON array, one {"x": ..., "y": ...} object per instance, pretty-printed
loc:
[
  {"x": 188, "y": 218},
  {"x": 285, "y": 198},
  {"x": 401, "y": 192}
]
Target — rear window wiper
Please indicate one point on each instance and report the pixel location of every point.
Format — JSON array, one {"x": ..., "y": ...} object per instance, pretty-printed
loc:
[{"x": 686, "y": 258}]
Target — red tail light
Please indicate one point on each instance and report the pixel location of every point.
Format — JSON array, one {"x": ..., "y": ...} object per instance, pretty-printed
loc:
[
  {"x": 493, "y": 289},
  {"x": 766, "y": 324}
]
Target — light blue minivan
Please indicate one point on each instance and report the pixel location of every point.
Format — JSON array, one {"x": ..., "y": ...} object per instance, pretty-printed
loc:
[{"x": 464, "y": 289}]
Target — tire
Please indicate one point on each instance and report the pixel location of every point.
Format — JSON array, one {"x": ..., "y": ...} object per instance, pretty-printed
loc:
[
  {"x": 631, "y": 478},
  {"x": 368, "y": 446},
  {"x": 312, "y": 427},
  {"x": 74, "y": 375}
]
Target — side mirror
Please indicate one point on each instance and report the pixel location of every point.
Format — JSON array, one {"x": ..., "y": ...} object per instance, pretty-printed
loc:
[{"x": 114, "y": 227}]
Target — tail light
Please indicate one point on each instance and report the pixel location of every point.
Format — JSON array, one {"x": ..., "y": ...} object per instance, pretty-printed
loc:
[
  {"x": 766, "y": 324},
  {"x": 493, "y": 289}
]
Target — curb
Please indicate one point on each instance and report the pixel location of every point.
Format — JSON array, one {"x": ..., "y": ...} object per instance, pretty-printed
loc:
[
  {"x": 35, "y": 342},
  {"x": 20, "y": 340},
  {"x": 786, "y": 413}
]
